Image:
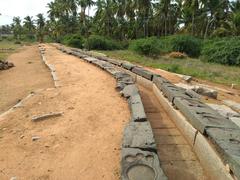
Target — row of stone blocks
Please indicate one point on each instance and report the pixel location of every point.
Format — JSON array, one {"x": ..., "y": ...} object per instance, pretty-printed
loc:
[
  {"x": 49, "y": 66},
  {"x": 222, "y": 132},
  {"x": 139, "y": 160}
]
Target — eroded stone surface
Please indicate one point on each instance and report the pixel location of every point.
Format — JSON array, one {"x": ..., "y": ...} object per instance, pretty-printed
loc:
[
  {"x": 171, "y": 91},
  {"x": 202, "y": 116},
  {"x": 137, "y": 109},
  {"x": 142, "y": 72},
  {"x": 232, "y": 104},
  {"x": 140, "y": 165},
  {"x": 227, "y": 112},
  {"x": 227, "y": 142},
  {"x": 128, "y": 66},
  {"x": 139, "y": 135},
  {"x": 205, "y": 91},
  {"x": 130, "y": 90}
]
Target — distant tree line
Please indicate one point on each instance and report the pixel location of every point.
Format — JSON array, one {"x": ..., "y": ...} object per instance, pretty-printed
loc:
[{"x": 133, "y": 19}]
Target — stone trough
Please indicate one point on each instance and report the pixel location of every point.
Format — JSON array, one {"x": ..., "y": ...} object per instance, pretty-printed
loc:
[{"x": 208, "y": 131}]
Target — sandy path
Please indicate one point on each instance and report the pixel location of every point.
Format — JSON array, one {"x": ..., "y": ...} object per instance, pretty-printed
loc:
[
  {"x": 28, "y": 75},
  {"x": 83, "y": 144}
]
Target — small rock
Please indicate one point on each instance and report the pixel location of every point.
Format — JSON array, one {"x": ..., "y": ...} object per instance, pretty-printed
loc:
[
  {"x": 22, "y": 136},
  {"x": 35, "y": 138},
  {"x": 187, "y": 78},
  {"x": 13, "y": 178},
  {"x": 233, "y": 86},
  {"x": 71, "y": 108}
]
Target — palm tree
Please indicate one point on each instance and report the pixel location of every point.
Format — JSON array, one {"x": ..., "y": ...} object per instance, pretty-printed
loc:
[
  {"x": 17, "y": 28},
  {"x": 29, "y": 26},
  {"x": 40, "y": 27}
]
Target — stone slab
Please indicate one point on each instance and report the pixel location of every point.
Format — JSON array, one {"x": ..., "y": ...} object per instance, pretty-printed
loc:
[
  {"x": 142, "y": 72},
  {"x": 137, "y": 109},
  {"x": 202, "y": 116},
  {"x": 227, "y": 112},
  {"x": 202, "y": 90},
  {"x": 159, "y": 80},
  {"x": 90, "y": 59},
  {"x": 171, "y": 92},
  {"x": 140, "y": 165},
  {"x": 130, "y": 90},
  {"x": 234, "y": 105},
  {"x": 227, "y": 142},
  {"x": 139, "y": 135},
  {"x": 115, "y": 62},
  {"x": 128, "y": 66}
]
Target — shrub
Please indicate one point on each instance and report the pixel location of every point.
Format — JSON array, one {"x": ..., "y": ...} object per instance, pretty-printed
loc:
[
  {"x": 175, "y": 68},
  {"x": 177, "y": 55},
  {"x": 101, "y": 43},
  {"x": 223, "y": 51},
  {"x": 166, "y": 44},
  {"x": 73, "y": 40},
  {"x": 187, "y": 44},
  {"x": 148, "y": 46},
  {"x": 17, "y": 42}
]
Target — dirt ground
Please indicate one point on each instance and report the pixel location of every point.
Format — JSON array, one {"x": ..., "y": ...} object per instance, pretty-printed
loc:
[
  {"x": 84, "y": 143},
  {"x": 28, "y": 75}
]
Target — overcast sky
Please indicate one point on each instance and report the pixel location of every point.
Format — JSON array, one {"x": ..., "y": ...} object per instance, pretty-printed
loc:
[{"x": 22, "y": 8}]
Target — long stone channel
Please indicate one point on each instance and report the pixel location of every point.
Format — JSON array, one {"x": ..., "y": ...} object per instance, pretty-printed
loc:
[{"x": 172, "y": 134}]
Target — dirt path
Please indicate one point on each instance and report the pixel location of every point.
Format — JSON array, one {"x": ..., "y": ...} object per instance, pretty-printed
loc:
[
  {"x": 29, "y": 74},
  {"x": 84, "y": 143}
]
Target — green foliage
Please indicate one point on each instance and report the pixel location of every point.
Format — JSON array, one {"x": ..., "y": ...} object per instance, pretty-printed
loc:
[
  {"x": 148, "y": 46},
  {"x": 193, "y": 67},
  {"x": 166, "y": 44},
  {"x": 174, "y": 68},
  {"x": 73, "y": 40},
  {"x": 17, "y": 42},
  {"x": 221, "y": 32},
  {"x": 96, "y": 42},
  {"x": 186, "y": 44},
  {"x": 223, "y": 51}
]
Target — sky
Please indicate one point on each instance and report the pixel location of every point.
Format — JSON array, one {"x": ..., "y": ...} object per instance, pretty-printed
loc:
[{"x": 22, "y": 8}]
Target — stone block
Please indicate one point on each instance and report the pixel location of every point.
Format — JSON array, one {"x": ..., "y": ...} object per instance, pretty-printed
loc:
[
  {"x": 140, "y": 165},
  {"x": 202, "y": 116},
  {"x": 128, "y": 66},
  {"x": 227, "y": 143},
  {"x": 130, "y": 90},
  {"x": 171, "y": 92},
  {"x": 142, "y": 72},
  {"x": 139, "y": 135},
  {"x": 137, "y": 109}
]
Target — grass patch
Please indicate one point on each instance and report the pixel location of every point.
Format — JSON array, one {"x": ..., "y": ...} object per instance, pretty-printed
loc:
[
  {"x": 7, "y": 44},
  {"x": 194, "y": 67}
]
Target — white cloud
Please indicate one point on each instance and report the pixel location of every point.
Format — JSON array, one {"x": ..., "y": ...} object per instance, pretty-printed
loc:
[{"x": 22, "y": 8}]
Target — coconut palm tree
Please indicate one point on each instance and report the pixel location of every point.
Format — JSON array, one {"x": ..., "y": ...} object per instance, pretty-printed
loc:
[
  {"x": 17, "y": 28},
  {"x": 40, "y": 27},
  {"x": 29, "y": 26}
]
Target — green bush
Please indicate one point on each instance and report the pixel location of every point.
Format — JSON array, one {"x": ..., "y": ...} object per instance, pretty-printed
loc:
[
  {"x": 166, "y": 44},
  {"x": 223, "y": 51},
  {"x": 73, "y": 40},
  {"x": 96, "y": 42},
  {"x": 186, "y": 44},
  {"x": 147, "y": 46},
  {"x": 17, "y": 42}
]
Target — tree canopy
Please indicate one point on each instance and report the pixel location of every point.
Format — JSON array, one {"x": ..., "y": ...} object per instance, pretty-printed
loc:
[{"x": 132, "y": 19}]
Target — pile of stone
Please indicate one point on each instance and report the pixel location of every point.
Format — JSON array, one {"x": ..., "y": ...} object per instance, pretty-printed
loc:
[{"x": 4, "y": 65}]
